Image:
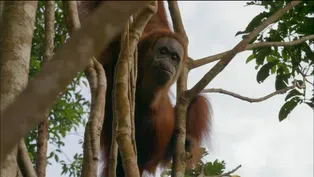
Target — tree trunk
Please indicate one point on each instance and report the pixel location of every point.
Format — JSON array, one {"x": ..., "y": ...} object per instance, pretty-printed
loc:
[{"x": 17, "y": 26}]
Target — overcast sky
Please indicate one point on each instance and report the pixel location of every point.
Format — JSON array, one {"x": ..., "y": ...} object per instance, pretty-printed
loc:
[{"x": 243, "y": 133}]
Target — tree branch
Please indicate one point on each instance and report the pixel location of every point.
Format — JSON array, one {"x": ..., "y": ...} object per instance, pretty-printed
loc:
[
  {"x": 177, "y": 20},
  {"x": 244, "y": 98},
  {"x": 25, "y": 163},
  {"x": 42, "y": 91},
  {"x": 71, "y": 16},
  {"x": 17, "y": 29},
  {"x": 121, "y": 112},
  {"x": 98, "y": 85},
  {"x": 113, "y": 156},
  {"x": 42, "y": 138},
  {"x": 269, "y": 44},
  {"x": 304, "y": 75},
  {"x": 97, "y": 114},
  {"x": 180, "y": 156},
  {"x": 179, "y": 29},
  {"x": 122, "y": 102},
  {"x": 199, "y": 62},
  {"x": 98, "y": 82},
  {"x": 239, "y": 47},
  {"x": 91, "y": 75}
]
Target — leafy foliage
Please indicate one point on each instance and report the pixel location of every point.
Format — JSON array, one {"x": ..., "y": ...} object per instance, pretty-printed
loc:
[
  {"x": 74, "y": 168},
  {"x": 201, "y": 169},
  {"x": 214, "y": 168},
  {"x": 288, "y": 63},
  {"x": 71, "y": 107}
]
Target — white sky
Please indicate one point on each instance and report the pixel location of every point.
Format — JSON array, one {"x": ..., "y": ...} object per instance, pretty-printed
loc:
[{"x": 243, "y": 133}]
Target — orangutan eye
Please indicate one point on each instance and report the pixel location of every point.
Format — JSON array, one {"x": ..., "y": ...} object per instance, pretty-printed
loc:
[
  {"x": 163, "y": 50},
  {"x": 174, "y": 57}
]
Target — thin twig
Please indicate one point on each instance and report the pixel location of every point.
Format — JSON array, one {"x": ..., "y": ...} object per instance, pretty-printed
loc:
[
  {"x": 244, "y": 98},
  {"x": 200, "y": 62},
  {"x": 304, "y": 75}
]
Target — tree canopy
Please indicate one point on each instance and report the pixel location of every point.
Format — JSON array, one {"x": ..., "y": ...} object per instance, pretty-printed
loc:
[{"x": 285, "y": 49}]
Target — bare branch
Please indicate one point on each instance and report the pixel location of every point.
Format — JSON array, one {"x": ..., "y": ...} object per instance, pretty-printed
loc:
[
  {"x": 121, "y": 112},
  {"x": 179, "y": 28},
  {"x": 309, "y": 82},
  {"x": 87, "y": 153},
  {"x": 137, "y": 27},
  {"x": 49, "y": 30},
  {"x": 199, "y": 62},
  {"x": 41, "y": 92},
  {"x": 42, "y": 138},
  {"x": 24, "y": 161},
  {"x": 244, "y": 98},
  {"x": 113, "y": 156},
  {"x": 71, "y": 16},
  {"x": 239, "y": 47},
  {"x": 19, "y": 173},
  {"x": 42, "y": 145},
  {"x": 304, "y": 75},
  {"x": 94, "y": 125},
  {"x": 176, "y": 19},
  {"x": 91, "y": 75},
  {"x": 203, "y": 61},
  {"x": 269, "y": 44},
  {"x": 125, "y": 114},
  {"x": 135, "y": 32},
  {"x": 180, "y": 155},
  {"x": 98, "y": 84},
  {"x": 73, "y": 24},
  {"x": 17, "y": 29}
]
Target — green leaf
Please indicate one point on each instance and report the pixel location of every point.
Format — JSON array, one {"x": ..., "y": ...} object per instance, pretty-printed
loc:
[
  {"x": 281, "y": 78},
  {"x": 263, "y": 73},
  {"x": 273, "y": 69},
  {"x": 215, "y": 168},
  {"x": 51, "y": 154},
  {"x": 285, "y": 69},
  {"x": 292, "y": 93},
  {"x": 307, "y": 27},
  {"x": 280, "y": 83},
  {"x": 310, "y": 104},
  {"x": 262, "y": 54},
  {"x": 287, "y": 108},
  {"x": 284, "y": 54},
  {"x": 271, "y": 58},
  {"x": 257, "y": 20},
  {"x": 85, "y": 83},
  {"x": 250, "y": 58},
  {"x": 56, "y": 158}
]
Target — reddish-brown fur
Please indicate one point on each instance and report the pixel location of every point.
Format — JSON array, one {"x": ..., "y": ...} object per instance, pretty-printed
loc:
[{"x": 154, "y": 114}]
